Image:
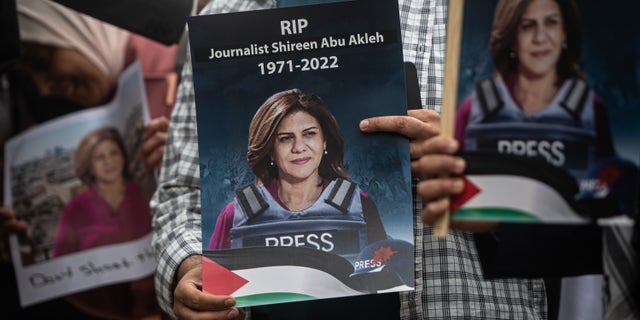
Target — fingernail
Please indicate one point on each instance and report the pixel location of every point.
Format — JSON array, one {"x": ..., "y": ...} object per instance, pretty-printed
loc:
[
  {"x": 229, "y": 303},
  {"x": 458, "y": 185},
  {"x": 364, "y": 124},
  {"x": 453, "y": 145},
  {"x": 459, "y": 165}
]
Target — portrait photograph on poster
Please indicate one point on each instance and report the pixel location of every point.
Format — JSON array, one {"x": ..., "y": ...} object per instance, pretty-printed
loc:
[
  {"x": 60, "y": 177},
  {"x": 546, "y": 112},
  {"x": 297, "y": 202}
]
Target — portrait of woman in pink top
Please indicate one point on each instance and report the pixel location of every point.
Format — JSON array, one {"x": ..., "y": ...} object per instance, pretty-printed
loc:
[{"x": 110, "y": 209}]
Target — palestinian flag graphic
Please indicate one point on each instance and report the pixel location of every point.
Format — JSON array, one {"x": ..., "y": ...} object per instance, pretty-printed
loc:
[
  {"x": 510, "y": 188},
  {"x": 267, "y": 275}
]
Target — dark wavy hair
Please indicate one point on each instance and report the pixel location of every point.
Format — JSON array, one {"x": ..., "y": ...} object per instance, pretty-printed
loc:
[
  {"x": 262, "y": 134},
  {"x": 84, "y": 153},
  {"x": 506, "y": 19}
]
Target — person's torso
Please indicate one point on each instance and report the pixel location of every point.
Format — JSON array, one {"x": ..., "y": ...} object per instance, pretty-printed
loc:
[
  {"x": 563, "y": 133},
  {"x": 334, "y": 223},
  {"x": 97, "y": 223}
]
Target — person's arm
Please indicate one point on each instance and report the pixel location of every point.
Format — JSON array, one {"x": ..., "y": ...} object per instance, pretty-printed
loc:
[{"x": 177, "y": 234}]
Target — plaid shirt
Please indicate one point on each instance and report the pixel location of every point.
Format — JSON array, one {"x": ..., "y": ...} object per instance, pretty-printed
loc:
[{"x": 449, "y": 281}]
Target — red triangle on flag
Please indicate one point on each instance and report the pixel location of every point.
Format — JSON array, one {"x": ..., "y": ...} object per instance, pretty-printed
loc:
[
  {"x": 217, "y": 279},
  {"x": 470, "y": 190}
]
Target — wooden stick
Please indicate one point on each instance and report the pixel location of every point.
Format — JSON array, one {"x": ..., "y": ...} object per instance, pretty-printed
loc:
[{"x": 450, "y": 88}]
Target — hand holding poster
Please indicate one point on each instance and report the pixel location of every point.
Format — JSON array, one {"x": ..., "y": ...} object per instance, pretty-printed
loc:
[
  {"x": 297, "y": 203},
  {"x": 80, "y": 236},
  {"x": 535, "y": 83}
]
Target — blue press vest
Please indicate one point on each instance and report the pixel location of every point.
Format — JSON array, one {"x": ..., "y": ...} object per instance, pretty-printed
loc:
[
  {"x": 563, "y": 133},
  {"x": 334, "y": 223}
]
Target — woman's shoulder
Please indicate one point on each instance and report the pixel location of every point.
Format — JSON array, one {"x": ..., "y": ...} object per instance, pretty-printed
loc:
[
  {"x": 582, "y": 88},
  {"x": 228, "y": 207},
  {"x": 465, "y": 105},
  {"x": 366, "y": 200},
  {"x": 227, "y": 211},
  {"x": 363, "y": 194},
  {"x": 346, "y": 184},
  {"x": 81, "y": 199}
]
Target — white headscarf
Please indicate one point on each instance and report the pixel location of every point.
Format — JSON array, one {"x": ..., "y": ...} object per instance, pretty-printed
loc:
[{"x": 50, "y": 23}]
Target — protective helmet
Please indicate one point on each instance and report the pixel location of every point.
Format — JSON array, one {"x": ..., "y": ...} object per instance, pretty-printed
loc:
[
  {"x": 612, "y": 181},
  {"x": 385, "y": 264}
]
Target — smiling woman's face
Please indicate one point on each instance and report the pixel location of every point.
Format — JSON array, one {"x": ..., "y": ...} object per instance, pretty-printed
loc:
[
  {"x": 72, "y": 76},
  {"x": 299, "y": 147},
  {"x": 539, "y": 39},
  {"x": 107, "y": 162}
]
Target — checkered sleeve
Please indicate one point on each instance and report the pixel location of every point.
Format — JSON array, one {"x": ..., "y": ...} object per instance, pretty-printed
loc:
[
  {"x": 450, "y": 284},
  {"x": 177, "y": 232},
  {"x": 423, "y": 26},
  {"x": 449, "y": 280},
  {"x": 176, "y": 202}
]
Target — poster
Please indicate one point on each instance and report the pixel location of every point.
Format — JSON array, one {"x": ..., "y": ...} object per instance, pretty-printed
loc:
[
  {"x": 41, "y": 184},
  {"x": 349, "y": 56},
  {"x": 575, "y": 158}
]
